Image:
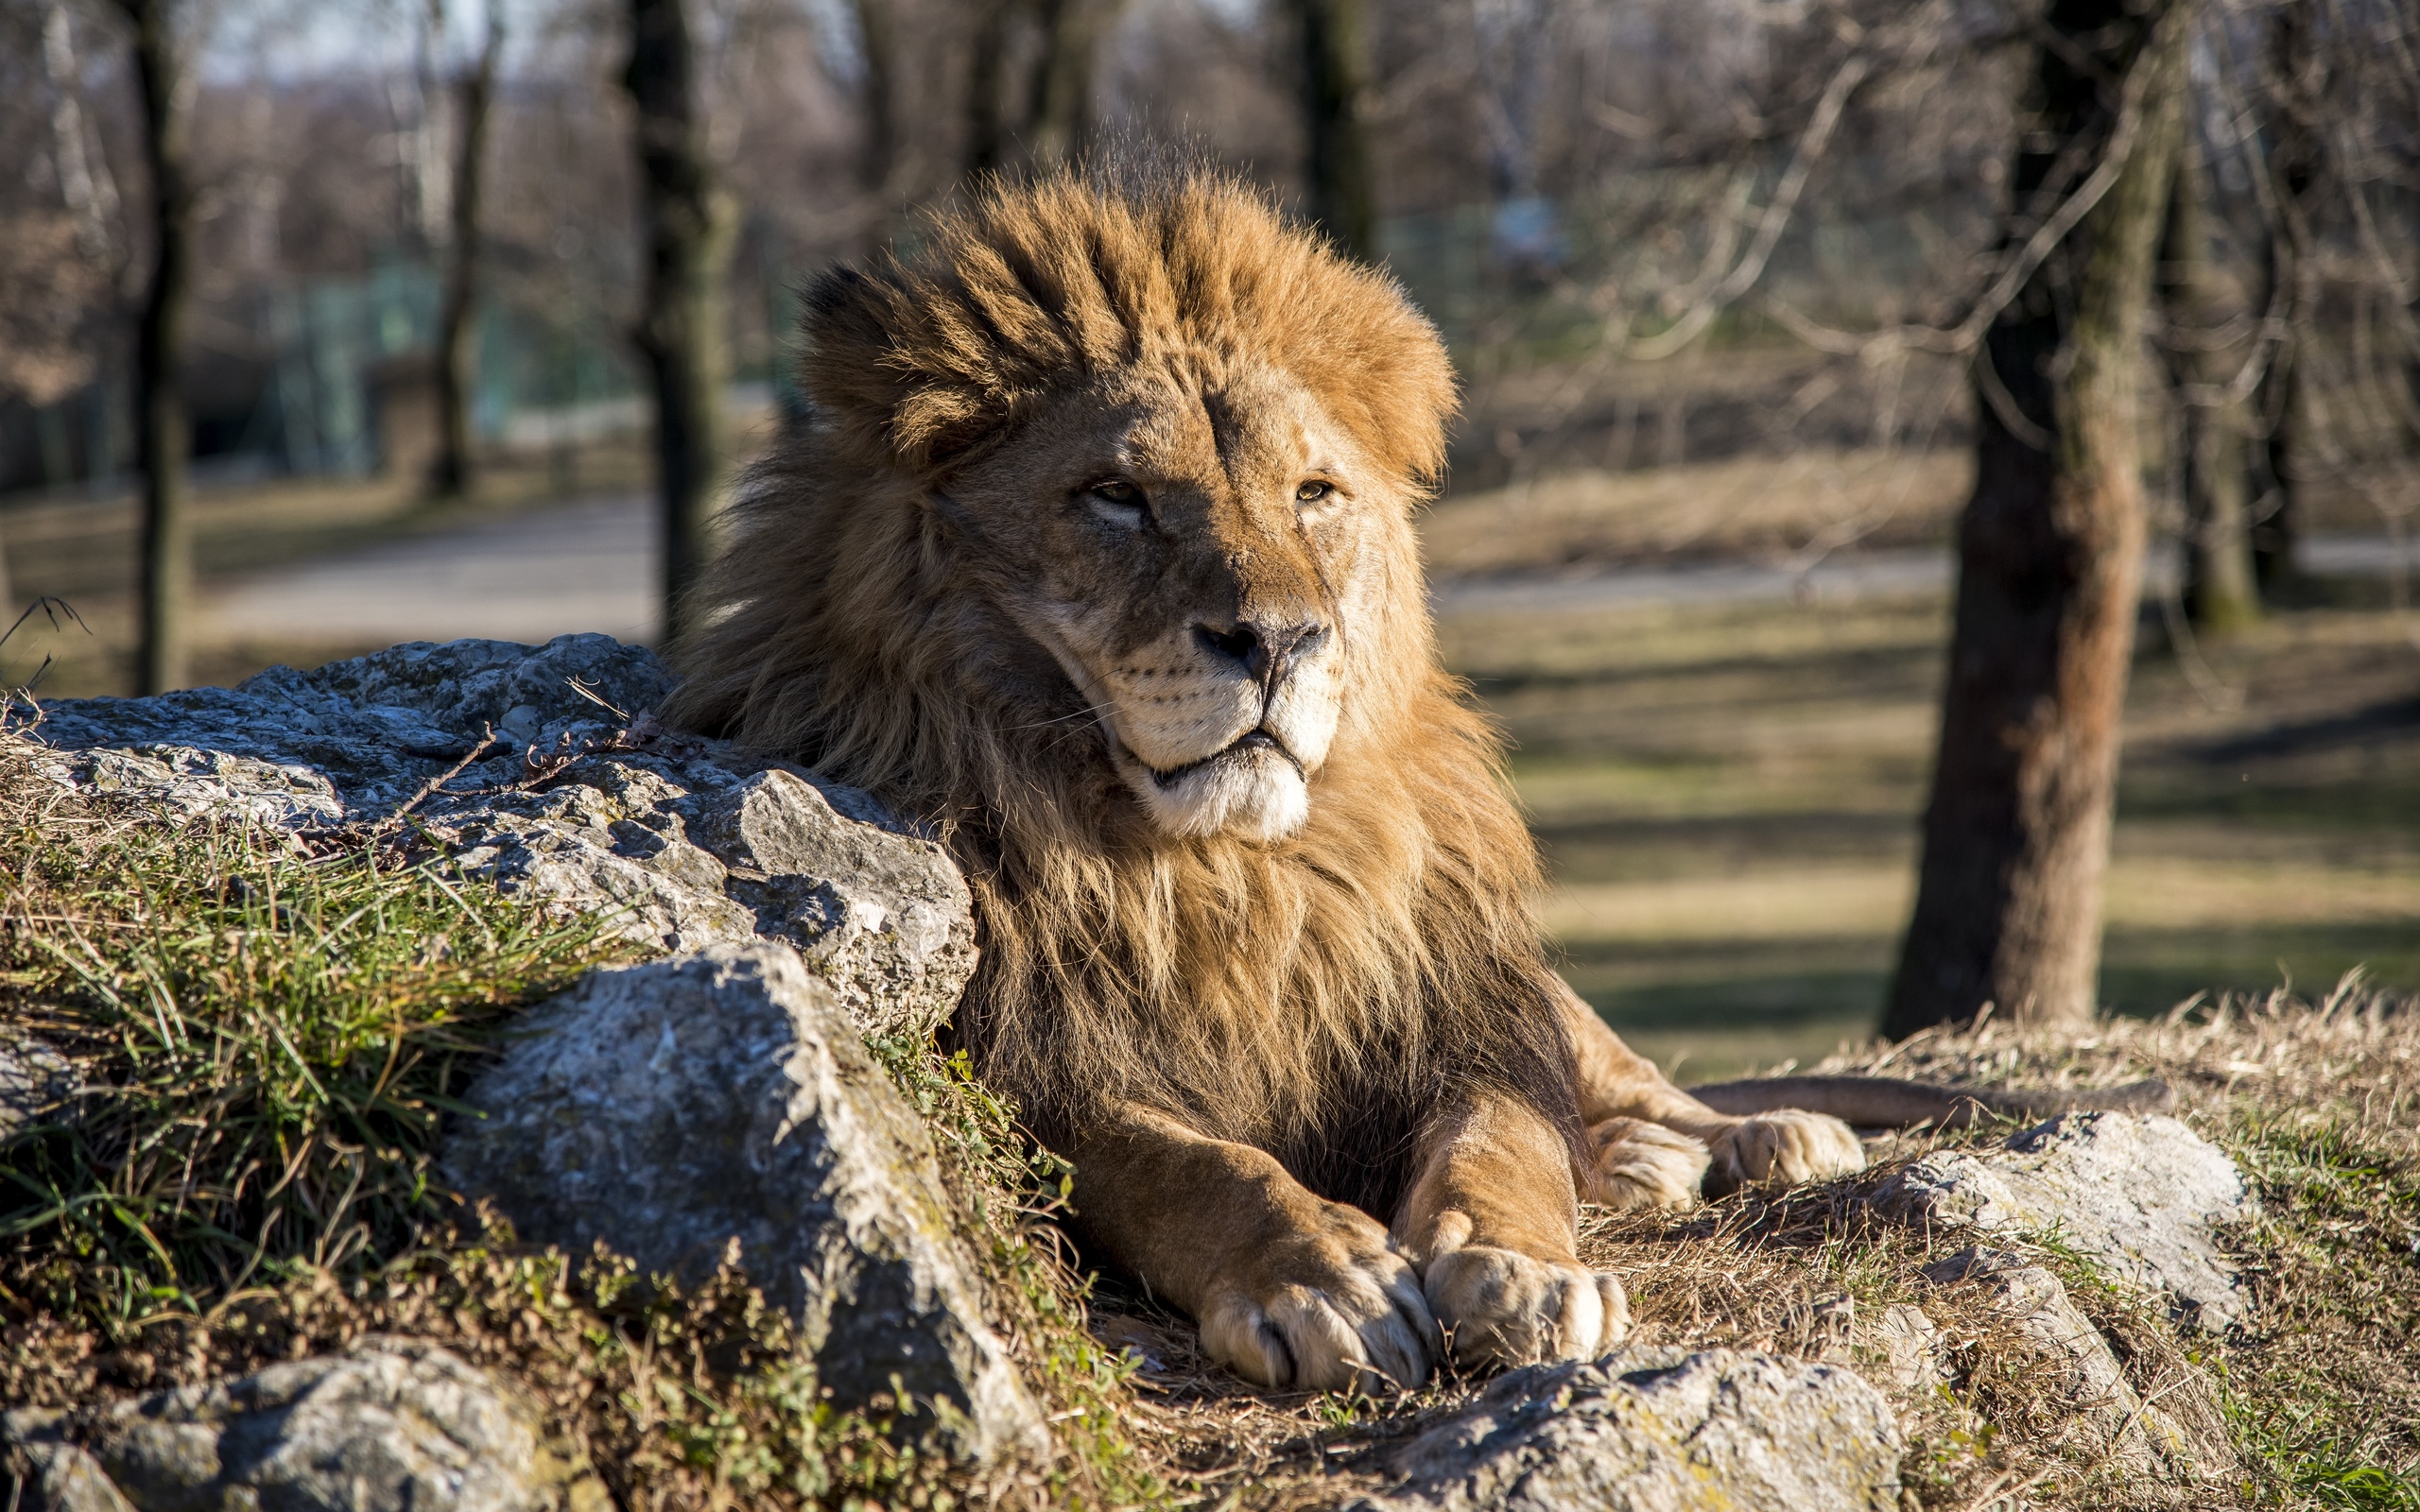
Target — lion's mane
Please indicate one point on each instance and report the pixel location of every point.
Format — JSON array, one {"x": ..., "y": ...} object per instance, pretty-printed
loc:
[{"x": 1314, "y": 996}]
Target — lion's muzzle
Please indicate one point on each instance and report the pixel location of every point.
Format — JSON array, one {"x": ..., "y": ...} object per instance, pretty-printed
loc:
[{"x": 1217, "y": 727}]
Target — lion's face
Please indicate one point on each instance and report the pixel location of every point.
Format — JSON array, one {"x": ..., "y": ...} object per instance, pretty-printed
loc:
[{"x": 1196, "y": 552}]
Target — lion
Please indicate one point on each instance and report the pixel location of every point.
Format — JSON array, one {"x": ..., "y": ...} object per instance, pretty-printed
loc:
[{"x": 1095, "y": 554}]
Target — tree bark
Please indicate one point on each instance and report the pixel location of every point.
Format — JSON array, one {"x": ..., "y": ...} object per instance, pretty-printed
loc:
[
  {"x": 991, "y": 137},
  {"x": 2298, "y": 85},
  {"x": 162, "y": 435},
  {"x": 1336, "y": 81},
  {"x": 878, "y": 164},
  {"x": 1043, "y": 122},
  {"x": 2050, "y": 549},
  {"x": 458, "y": 327},
  {"x": 1062, "y": 95},
  {"x": 2210, "y": 338},
  {"x": 680, "y": 331}
]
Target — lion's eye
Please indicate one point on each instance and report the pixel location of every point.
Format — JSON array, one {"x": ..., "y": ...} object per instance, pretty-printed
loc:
[
  {"x": 1315, "y": 491},
  {"x": 1118, "y": 490}
]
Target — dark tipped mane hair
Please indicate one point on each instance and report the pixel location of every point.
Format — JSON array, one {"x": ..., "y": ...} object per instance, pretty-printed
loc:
[{"x": 1319, "y": 997}]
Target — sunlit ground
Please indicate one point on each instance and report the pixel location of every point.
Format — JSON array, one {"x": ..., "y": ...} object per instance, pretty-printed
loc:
[{"x": 1727, "y": 797}]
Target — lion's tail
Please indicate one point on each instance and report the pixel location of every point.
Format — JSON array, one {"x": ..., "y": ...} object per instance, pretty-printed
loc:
[{"x": 1884, "y": 1102}]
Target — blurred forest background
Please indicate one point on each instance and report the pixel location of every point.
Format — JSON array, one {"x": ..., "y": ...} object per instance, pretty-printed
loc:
[{"x": 1714, "y": 272}]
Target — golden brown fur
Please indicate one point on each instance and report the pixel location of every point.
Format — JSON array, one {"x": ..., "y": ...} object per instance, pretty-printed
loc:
[
  {"x": 1095, "y": 554},
  {"x": 1243, "y": 984}
]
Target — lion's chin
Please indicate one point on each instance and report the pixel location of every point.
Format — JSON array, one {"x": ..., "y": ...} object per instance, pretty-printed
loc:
[{"x": 1250, "y": 794}]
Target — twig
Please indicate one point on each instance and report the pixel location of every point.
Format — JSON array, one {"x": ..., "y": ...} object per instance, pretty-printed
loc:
[{"x": 487, "y": 738}]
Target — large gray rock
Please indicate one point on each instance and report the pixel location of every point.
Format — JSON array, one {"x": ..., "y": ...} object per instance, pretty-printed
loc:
[
  {"x": 2068, "y": 1361},
  {"x": 376, "y": 727},
  {"x": 1656, "y": 1431},
  {"x": 670, "y": 1108},
  {"x": 2139, "y": 1195},
  {"x": 884, "y": 917},
  {"x": 680, "y": 842},
  {"x": 388, "y": 1426}
]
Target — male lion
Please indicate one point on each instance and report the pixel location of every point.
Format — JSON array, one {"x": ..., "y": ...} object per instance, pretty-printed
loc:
[{"x": 1095, "y": 553}]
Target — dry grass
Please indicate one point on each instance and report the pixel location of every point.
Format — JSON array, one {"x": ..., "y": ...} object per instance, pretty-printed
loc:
[
  {"x": 2316, "y": 1403},
  {"x": 1803, "y": 506}
]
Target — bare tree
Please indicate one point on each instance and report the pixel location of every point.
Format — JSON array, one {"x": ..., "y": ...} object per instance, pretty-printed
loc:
[
  {"x": 2050, "y": 547},
  {"x": 457, "y": 329},
  {"x": 688, "y": 224},
  {"x": 878, "y": 166},
  {"x": 1041, "y": 119},
  {"x": 161, "y": 435},
  {"x": 2210, "y": 342},
  {"x": 1335, "y": 85}
]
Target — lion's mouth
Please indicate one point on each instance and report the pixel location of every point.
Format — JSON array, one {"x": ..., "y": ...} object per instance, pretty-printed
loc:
[{"x": 1259, "y": 740}]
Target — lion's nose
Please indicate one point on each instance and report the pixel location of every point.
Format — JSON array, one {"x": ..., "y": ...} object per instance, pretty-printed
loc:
[{"x": 1266, "y": 652}]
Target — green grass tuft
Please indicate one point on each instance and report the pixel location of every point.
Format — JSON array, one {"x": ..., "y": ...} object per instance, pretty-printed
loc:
[{"x": 268, "y": 1041}]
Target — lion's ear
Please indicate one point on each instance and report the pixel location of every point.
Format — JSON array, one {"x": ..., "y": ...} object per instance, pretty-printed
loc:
[{"x": 882, "y": 360}]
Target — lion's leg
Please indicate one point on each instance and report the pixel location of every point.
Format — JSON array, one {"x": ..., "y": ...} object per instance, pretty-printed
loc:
[
  {"x": 1291, "y": 1291},
  {"x": 1622, "y": 1095},
  {"x": 1492, "y": 1223}
]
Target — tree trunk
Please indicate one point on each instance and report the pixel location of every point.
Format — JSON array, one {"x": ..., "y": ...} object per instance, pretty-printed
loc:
[
  {"x": 2209, "y": 340},
  {"x": 2050, "y": 549},
  {"x": 1335, "y": 83},
  {"x": 1044, "y": 121},
  {"x": 990, "y": 136},
  {"x": 680, "y": 330},
  {"x": 2298, "y": 85},
  {"x": 163, "y": 437},
  {"x": 878, "y": 164},
  {"x": 457, "y": 326},
  {"x": 1062, "y": 107}
]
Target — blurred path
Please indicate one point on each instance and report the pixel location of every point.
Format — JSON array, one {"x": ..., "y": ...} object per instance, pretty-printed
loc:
[
  {"x": 591, "y": 566},
  {"x": 1837, "y": 578},
  {"x": 587, "y": 566}
]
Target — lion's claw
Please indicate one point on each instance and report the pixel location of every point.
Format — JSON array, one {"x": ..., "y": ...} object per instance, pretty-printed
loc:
[
  {"x": 1332, "y": 1308},
  {"x": 1503, "y": 1308},
  {"x": 1788, "y": 1146}
]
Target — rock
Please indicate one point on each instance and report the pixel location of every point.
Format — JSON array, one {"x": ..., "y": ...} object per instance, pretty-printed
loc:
[
  {"x": 1911, "y": 1347},
  {"x": 59, "y": 1477},
  {"x": 884, "y": 917},
  {"x": 671, "y": 1107},
  {"x": 388, "y": 1426},
  {"x": 2080, "y": 1377},
  {"x": 682, "y": 843},
  {"x": 38, "y": 1085},
  {"x": 2139, "y": 1195},
  {"x": 194, "y": 783},
  {"x": 1648, "y": 1430},
  {"x": 376, "y": 727}
]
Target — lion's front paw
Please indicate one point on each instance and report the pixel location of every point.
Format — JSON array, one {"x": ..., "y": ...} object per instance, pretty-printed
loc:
[
  {"x": 1640, "y": 1164},
  {"x": 1788, "y": 1146},
  {"x": 1502, "y": 1308},
  {"x": 1330, "y": 1307}
]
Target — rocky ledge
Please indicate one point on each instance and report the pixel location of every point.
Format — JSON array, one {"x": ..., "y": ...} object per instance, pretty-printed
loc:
[{"x": 552, "y": 781}]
